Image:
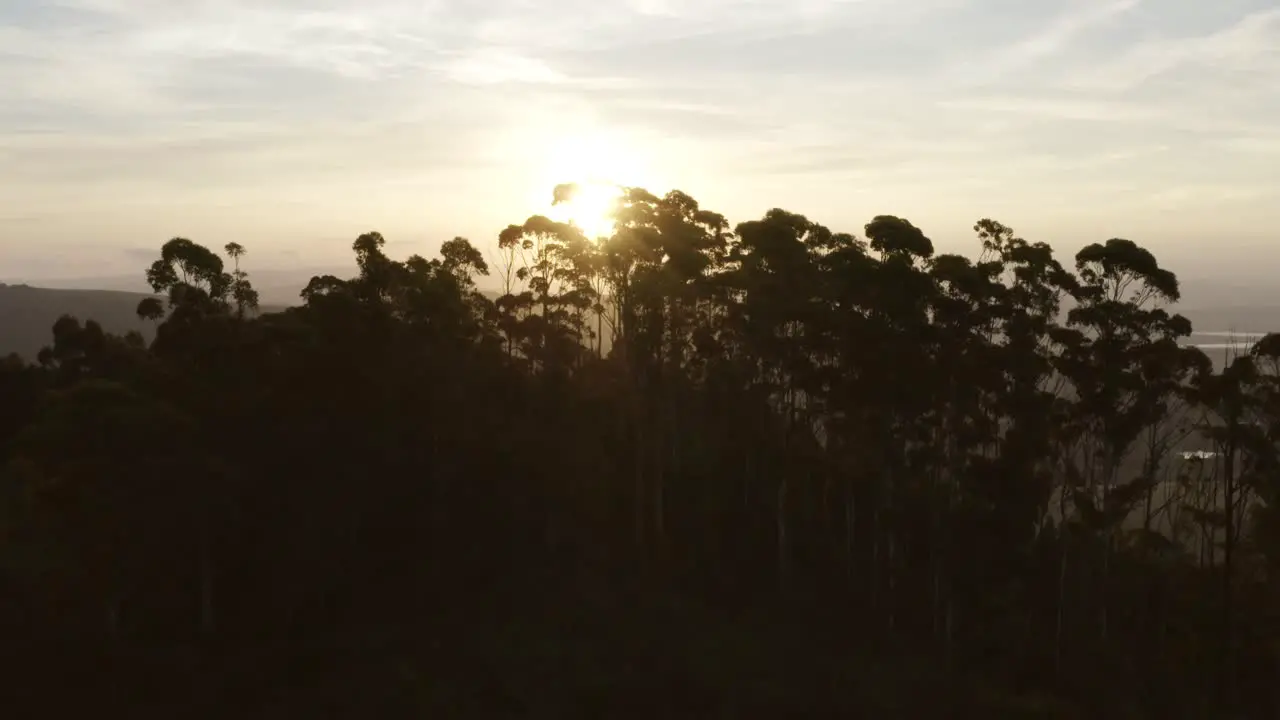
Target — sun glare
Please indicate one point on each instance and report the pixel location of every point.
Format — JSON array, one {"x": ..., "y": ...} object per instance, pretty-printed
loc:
[
  {"x": 599, "y": 165},
  {"x": 590, "y": 208}
]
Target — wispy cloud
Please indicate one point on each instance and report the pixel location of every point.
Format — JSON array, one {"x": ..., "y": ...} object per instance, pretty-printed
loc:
[
  {"x": 495, "y": 65},
  {"x": 1261, "y": 143},
  {"x": 1249, "y": 46},
  {"x": 1052, "y": 37},
  {"x": 299, "y": 116},
  {"x": 1064, "y": 29}
]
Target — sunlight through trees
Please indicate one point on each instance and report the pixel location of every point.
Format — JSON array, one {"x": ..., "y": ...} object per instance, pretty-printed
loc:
[{"x": 1000, "y": 482}]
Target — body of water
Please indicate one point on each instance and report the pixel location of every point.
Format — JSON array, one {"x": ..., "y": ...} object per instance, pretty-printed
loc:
[{"x": 1224, "y": 340}]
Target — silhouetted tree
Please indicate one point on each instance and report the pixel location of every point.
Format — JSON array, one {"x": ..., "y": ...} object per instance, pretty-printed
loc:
[{"x": 682, "y": 469}]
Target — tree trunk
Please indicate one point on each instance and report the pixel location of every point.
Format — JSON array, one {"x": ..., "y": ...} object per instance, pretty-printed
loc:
[
  {"x": 1064, "y": 543},
  {"x": 1107, "y": 550},
  {"x": 115, "y": 616},
  {"x": 1228, "y": 548},
  {"x": 850, "y": 510},
  {"x": 206, "y": 583},
  {"x": 659, "y": 494},
  {"x": 639, "y": 499},
  {"x": 781, "y": 519}
]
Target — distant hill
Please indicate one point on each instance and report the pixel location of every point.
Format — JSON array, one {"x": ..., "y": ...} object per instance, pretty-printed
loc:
[
  {"x": 277, "y": 287},
  {"x": 27, "y": 314}
]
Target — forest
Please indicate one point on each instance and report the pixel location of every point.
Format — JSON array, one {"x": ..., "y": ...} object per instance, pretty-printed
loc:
[{"x": 687, "y": 470}]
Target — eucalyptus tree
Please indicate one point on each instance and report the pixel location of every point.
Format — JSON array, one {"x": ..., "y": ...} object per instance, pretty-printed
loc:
[
  {"x": 963, "y": 508},
  {"x": 674, "y": 293},
  {"x": 898, "y": 355},
  {"x": 547, "y": 321},
  {"x": 589, "y": 260},
  {"x": 197, "y": 303},
  {"x": 85, "y": 351},
  {"x": 1235, "y": 421},
  {"x": 1116, "y": 335},
  {"x": 776, "y": 283},
  {"x": 873, "y": 427},
  {"x": 191, "y": 276},
  {"x": 1264, "y": 480},
  {"x": 653, "y": 276},
  {"x": 242, "y": 292},
  {"x": 1030, "y": 286}
]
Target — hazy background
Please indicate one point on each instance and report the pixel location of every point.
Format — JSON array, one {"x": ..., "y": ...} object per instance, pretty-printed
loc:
[{"x": 293, "y": 126}]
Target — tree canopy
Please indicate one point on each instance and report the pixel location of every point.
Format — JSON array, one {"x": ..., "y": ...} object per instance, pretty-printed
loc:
[{"x": 687, "y": 469}]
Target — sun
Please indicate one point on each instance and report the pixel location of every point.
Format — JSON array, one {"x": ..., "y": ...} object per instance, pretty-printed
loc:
[
  {"x": 590, "y": 207},
  {"x": 598, "y": 164}
]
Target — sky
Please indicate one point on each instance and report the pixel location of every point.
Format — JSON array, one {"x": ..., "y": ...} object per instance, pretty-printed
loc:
[{"x": 292, "y": 126}]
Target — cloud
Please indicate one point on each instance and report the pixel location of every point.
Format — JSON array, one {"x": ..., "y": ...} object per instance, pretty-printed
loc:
[
  {"x": 1055, "y": 106},
  {"x": 1262, "y": 143},
  {"x": 1249, "y": 46},
  {"x": 207, "y": 116},
  {"x": 242, "y": 156},
  {"x": 1050, "y": 38},
  {"x": 494, "y": 65},
  {"x": 140, "y": 57},
  {"x": 1063, "y": 30},
  {"x": 136, "y": 255}
]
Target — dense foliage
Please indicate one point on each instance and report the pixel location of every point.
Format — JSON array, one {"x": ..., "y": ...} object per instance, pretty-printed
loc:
[{"x": 686, "y": 470}]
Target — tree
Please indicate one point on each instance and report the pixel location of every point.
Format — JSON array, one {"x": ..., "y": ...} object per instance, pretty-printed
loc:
[
  {"x": 110, "y": 473},
  {"x": 242, "y": 292},
  {"x": 189, "y": 274},
  {"x": 787, "y": 450}
]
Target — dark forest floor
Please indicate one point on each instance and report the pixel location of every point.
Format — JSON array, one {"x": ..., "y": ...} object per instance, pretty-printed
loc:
[{"x": 554, "y": 652}]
